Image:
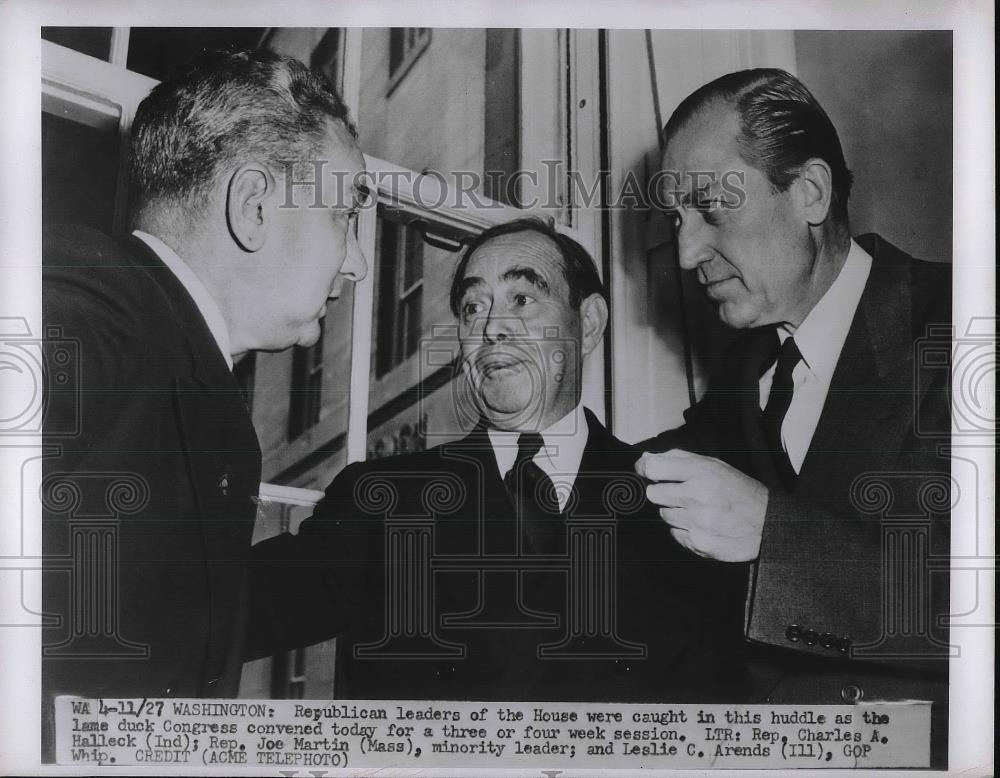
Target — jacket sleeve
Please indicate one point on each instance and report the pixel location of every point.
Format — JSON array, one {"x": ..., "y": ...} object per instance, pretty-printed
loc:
[
  {"x": 305, "y": 587},
  {"x": 867, "y": 576}
]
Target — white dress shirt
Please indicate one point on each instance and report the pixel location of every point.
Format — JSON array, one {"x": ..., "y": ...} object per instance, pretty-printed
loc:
[
  {"x": 820, "y": 338},
  {"x": 560, "y": 456},
  {"x": 202, "y": 299}
]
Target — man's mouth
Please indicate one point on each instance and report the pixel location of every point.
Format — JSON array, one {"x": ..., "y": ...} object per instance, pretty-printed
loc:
[
  {"x": 716, "y": 286},
  {"x": 322, "y": 311},
  {"x": 497, "y": 366}
]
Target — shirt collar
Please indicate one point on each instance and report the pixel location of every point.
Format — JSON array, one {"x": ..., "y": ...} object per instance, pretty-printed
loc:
[
  {"x": 562, "y": 452},
  {"x": 189, "y": 280},
  {"x": 821, "y": 335}
]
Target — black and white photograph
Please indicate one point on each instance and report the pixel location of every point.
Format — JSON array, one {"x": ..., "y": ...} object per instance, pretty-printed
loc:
[{"x": 537, "y": 390}]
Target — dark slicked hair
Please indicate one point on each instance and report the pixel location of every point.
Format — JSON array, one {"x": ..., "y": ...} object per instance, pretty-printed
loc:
[
  {"x": 577, "y": 265},
  {"x": 227, "y": 108},
  {"x": 781, "y": 127}
]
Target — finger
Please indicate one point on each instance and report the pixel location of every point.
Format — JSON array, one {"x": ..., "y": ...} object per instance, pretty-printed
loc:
[
  {"x": 677, "y": 518},
  {"x": 673, "y": 465},
  {"x": 669, "y": 494},
  {"x": 688, "y": 541}
]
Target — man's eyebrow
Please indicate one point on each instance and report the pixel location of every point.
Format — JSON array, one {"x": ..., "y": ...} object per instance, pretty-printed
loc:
[
  {"x": 693, "y": 197},
  {"x": 468, "y": 283},
  {"x": 526, "y": 274}
]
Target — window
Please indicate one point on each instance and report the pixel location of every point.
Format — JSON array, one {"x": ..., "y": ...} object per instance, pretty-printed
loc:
[
  {"x": 406, "y": 44},
  {"x": 328, "y": 57},
  {"x": 158, "y": 52},
  {"x": 400, "y": 263},
  {"x": 80, "y": 152},
  {"x": 307, "y": 387},
  {"x": 92, "y": 41}
]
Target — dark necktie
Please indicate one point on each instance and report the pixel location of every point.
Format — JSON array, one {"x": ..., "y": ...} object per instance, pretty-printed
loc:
[
  {"x": 777, "y": 406},
  {"x": 533, "y": 495}
]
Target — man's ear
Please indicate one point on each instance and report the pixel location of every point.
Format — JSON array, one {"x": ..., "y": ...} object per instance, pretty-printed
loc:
[
  {"x": 593, "y": 320},
  {"x": 250, "y": 189},
  {"x": 815, "y": 184}
]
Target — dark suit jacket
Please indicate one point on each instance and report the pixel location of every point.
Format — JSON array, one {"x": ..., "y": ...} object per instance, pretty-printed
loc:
[
  {"x": 448, "y": 633},
  {"x": 822, "y": 589},
  {"x": 152, "y": 495}
]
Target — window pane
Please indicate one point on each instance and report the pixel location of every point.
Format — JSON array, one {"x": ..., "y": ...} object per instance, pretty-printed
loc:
[
  {"x": 399, "y": 264},
  {"x": 79, "y": 172},
  {"x": 321, "y": 48},
  {"x": 434, "y": 116},
  {"x": 413, "y": 271},
  {"x": 158, "y": 52},
  {"x": 315, "y": 451},
  {"x": 411, "y": 405},
  {"x": 93, "y": 41},
  {"x": 386, "y": 266},
  {"x": 412, "y": 329},
  {"x": 306, "y": 389}
]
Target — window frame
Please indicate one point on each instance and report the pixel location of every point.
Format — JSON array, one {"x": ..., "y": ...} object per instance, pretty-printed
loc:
[
  {"x": 88, "y": 89},
  {"x": 422, "y": 40},
  {"x": 305, "y": 399},
  {"x": 391, "y": 322}
]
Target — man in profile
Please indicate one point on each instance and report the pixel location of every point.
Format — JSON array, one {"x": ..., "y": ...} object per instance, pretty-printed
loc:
[
  {"x": 149, "y": 508},
  {"x": 521, "y": 562},
  {"x": 817, "y": 416}
]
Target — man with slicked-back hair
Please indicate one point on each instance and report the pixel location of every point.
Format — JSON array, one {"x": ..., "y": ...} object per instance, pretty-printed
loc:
[{"x": 812, "y": 458}]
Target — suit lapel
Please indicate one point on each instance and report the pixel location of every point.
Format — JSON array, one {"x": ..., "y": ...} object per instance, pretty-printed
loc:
[
  {"x": 487, "y": 504},
  {"x": 869, "y": 406}
]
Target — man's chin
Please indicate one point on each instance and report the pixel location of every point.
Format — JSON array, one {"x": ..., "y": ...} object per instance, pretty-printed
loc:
[
  {"x": 309, "y": 335},
  {"x": 737, "y": 316},
  {"x": 504, "y": 411}
]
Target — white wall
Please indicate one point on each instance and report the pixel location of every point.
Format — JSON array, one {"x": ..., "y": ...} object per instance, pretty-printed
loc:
[{"x": 889, "y": 93}]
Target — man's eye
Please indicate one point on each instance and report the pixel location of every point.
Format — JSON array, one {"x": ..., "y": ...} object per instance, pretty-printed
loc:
[
  {"x": 711, "y": 210},
  {"x": 711, "y": 217},
  {"x": 715, "y": 205},
  {"x": 471, "y": 309},
  {"x": 521, "y": 299}
]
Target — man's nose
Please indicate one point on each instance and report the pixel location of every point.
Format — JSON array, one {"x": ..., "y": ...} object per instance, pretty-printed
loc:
[
  {"x": 499, "y": 327},
  {"x": 692, "y": 248},
  {"x": 355, "y": 265}
]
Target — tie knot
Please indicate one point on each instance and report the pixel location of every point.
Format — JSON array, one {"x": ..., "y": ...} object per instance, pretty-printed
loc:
[
  {"x": 528, "y": 444},
  {"x": 788, "y": 357}
]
